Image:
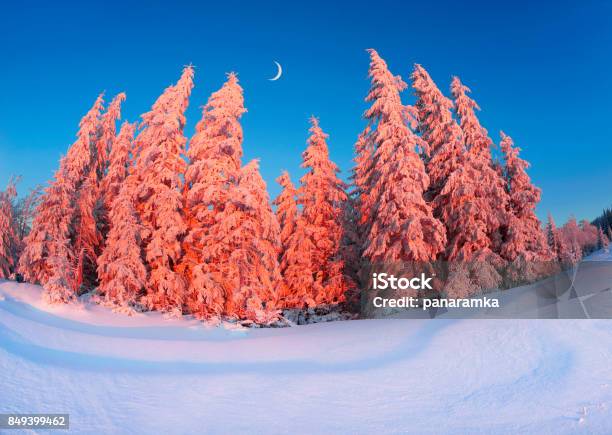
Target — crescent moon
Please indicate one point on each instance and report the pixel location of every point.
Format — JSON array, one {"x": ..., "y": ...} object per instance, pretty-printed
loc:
[{"x": 278, "y": 73}]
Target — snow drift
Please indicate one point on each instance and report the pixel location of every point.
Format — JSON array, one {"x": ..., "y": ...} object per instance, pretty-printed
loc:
[{"x": 147, "y": 374}]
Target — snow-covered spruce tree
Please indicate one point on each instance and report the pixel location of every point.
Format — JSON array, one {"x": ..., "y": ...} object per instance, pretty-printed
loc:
[
  {"x": 8, "y": 234},
  {"x": 439, "y": 129},
  {"x": 556, "y": 244},
  {"x": 107, "y": 135},
  {"x": 118, "y": 166},
  {"x": 479, "y": 159},
  {"x": 322, "y": 197},
  {"x": 57, "y": 206},
  {"x": 602, "y": 240},
  {"x": 89, "y": 226},
  {"x": 571, "y": 236},
  {"x": 286, "y": 208},
  {"x": 588, "y": 240},
  {"x": 312, "y": 260},
  {"x": 473, "y": 204},
  {"x": 299, "y": 281},
  {"x": 254, "y": 246},
  {"x": 157, "y": 193},
  {"x": 121, "y": 271},
  {"x": 525, "y": 245},
  {"x": 214, "y": 166},
  {"x": 360, "y": 176},
  {"x": 23, "y": 212},
  {"x": 87, "y": 239},
  {"x": 550, "y": 230},
  {"x": 356, "y": 212},
  {"x": 51, "y": 226},
  {"x": 104, "y": 157},
  {"x": 400, "y": 226},
  {"x": 59, "y": 287},
  {"x": 297, "y": 248}
]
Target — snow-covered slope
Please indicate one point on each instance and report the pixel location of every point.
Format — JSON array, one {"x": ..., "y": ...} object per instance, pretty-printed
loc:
[{"x": 146, "y": 374}]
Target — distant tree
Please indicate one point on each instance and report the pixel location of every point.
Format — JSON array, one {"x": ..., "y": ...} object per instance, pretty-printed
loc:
[
  {"x": 552, "y": 236},
  {"x": 571, "y": 238},
  {"x": 589, "y": 238},
  {"x": 214, "y": 168},
  {"x": 602, "y": 240},
  {"x": 604, "y": 220},
  {"x": 120, "y": 267},
  {"x": 400, "y": 226},
  {"x": 24, "y": 211},
  {"x": 562, "y": 251},
  {"x": 157, "y": 197}
]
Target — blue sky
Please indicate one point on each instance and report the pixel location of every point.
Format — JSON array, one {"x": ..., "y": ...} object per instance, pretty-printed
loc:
[{"x": 541, "y": 73}]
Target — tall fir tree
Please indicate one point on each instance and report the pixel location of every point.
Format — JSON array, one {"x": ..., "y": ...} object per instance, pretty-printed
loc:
[
  {"x": 89, "y": 226},
  {"x": 120, "y": 267},
  {"x": 214, "y": 166},
  {"x": 287, "y": 216},
  {"x": 483, "y": 197},
  {"x": 87, "y": 239},
  {"x": 360, "y": 176},
  {"x": 254, "y": 241},
  {"x": 286, "y": 208},
  {"x": 439, "y": 129},
  {"x": 157, "y": 193},
  {"x": 356, "y": 211},
  {"x": 322, "y": 197},
  {"x": 118, "y": 166},
  {"x": 107, "y": 135},
  {"x": 525, "y": 237},
  {"x": 82, "y": 155},
  {"x": 57, "y": 206},
  {"x": 472, "y": 204},
  {"x": 313, "y": 262},
  {"x": 400, "y": 226},
  {"x": 106, "y": 172},
  {"x": 52, "y": 224}
]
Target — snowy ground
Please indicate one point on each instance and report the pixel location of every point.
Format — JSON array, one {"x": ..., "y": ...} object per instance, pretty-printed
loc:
[{"x": 145, "y": 374}]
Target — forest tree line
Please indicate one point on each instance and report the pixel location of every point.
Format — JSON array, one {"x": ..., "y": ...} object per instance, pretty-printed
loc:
[{"x": 153, "y": 221}]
